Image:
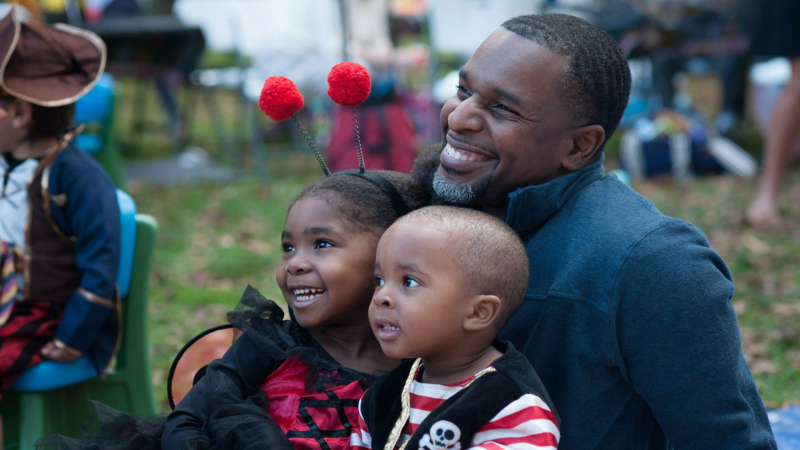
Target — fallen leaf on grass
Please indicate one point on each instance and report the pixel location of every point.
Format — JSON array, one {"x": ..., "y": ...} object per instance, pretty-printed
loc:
[
  {"x": 755, "y": 245},
  {"x": 786, "y": 309},
  {"x": 763, "y": 366}
]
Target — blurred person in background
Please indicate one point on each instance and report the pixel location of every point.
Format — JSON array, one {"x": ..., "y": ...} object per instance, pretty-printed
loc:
[
  {"x": 59, "y": 218},
  {"x": 777, "y": 34},
  {"x": 387, "y": 134}
]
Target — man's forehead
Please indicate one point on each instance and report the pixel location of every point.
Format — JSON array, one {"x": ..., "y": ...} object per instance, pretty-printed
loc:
[{"x": 515, "y": 64}]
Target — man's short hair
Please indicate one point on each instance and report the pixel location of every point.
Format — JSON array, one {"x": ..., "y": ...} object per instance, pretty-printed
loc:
[
  {"x": 597, "y": 81},
  {"x": 487, "y": 251}
]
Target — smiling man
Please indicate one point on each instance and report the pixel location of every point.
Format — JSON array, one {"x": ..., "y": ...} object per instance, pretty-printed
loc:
[{"x": 627, "y": 318}]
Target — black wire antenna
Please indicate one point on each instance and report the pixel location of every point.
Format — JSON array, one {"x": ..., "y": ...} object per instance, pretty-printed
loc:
[
  {"x": 359, "y": 151},
  {"x": 313, "y": 146}
]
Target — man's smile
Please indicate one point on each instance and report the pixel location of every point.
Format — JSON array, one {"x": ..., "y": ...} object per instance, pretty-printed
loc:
[{"x": 459, "y": 158}]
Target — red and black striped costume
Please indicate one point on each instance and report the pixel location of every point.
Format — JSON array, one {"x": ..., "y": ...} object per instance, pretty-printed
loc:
[{"x": 504, "y": 407}]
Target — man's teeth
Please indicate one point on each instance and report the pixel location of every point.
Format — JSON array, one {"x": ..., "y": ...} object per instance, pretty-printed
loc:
[
  {"x": 386, "y": 326},
  {"x": 307, "y": 294},
  {"x": 463, "y": 155}
]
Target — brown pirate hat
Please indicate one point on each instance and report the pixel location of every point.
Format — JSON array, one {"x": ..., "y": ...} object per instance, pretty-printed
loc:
[{"x": 48, "y": 66}]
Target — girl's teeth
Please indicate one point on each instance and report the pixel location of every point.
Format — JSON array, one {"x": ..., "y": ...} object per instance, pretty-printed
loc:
[
  {"x": 307, "y": 294},
  {"x": 390, "y": 327}
]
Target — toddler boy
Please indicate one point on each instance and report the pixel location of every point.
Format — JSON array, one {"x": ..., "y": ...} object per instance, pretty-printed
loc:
[{"x": 447, "y": 279}]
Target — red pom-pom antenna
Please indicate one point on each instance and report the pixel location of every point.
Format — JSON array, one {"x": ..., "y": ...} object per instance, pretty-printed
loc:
[
  {"x": 280, "y": 98},
  {"x": 349, "y": 84}
]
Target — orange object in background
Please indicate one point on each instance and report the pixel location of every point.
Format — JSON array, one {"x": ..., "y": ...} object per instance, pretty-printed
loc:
[
  {"x": 32, "y": 6},
  {"x": 196, "y": 357}
]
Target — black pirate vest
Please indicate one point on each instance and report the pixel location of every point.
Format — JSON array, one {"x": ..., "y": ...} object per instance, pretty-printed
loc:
[{"x": 457, "y": 419}]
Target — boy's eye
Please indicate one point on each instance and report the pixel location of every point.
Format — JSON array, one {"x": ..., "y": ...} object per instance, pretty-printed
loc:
[
  {"x": 410, "y": 282},
  {"x": 323, "y": 244},
  {"x": 287, "y": 247},
  {"x": 462, "y": 91},
  {"x": 377, "y": 280}
]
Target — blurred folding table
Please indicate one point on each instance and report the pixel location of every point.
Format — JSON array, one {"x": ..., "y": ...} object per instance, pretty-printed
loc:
[{"x": 157, "y": 48}]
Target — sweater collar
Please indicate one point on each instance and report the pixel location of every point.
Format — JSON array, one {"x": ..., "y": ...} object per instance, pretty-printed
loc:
[{"x": 531, "y": 206}]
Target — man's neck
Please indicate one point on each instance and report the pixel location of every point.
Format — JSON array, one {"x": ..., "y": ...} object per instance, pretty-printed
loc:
[
  {"x": 35, "y": 149},
  {"x": 450, "y": 368}
]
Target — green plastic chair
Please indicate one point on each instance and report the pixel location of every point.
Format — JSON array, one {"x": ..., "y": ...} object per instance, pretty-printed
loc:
[
  {"x": 27, "y": 416},
  {"x": 96, "y": 111}
]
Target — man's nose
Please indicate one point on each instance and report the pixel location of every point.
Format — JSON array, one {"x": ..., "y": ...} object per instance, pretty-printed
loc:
[{"x": 465, "y": 117}]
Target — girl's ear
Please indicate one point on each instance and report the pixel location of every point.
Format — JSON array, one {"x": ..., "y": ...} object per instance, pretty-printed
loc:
[{"x": 484, "y": 310}]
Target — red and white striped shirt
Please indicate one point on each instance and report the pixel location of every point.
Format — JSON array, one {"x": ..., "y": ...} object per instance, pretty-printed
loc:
[{"x": 527, "y": 423}]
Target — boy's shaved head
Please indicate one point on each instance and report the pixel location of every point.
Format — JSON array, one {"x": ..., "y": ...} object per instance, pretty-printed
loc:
[{"x": 490, "y": 254}]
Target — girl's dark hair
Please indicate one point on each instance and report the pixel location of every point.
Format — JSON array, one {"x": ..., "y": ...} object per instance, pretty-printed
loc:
[{"x": 362, "y": 202}]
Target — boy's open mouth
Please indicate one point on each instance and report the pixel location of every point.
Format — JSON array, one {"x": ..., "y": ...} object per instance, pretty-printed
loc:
[{"x": 387, "y": 331}]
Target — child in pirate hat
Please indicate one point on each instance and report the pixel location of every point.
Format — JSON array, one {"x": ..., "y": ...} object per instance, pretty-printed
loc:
[{"x": 59, "y": 218}]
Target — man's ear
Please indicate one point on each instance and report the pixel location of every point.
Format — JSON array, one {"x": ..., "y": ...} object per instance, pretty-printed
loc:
[
  {"x": 20, "y": 114},
  {"x": 585, "y": 143},
  {"x": 484, "y": 310}
]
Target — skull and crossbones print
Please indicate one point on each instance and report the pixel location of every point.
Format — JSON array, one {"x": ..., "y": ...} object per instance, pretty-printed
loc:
[{"x": 444, "y": 435}]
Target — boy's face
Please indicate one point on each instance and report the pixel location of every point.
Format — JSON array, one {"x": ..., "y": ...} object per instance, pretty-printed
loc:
[
  {"x": 325, "y": 272},
  {"x": 420, "y": 301}
]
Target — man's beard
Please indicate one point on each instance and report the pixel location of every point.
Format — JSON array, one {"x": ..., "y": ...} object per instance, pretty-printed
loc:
[{"x": 460, "y": 193}]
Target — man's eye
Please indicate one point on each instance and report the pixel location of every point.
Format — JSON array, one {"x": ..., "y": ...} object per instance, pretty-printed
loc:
[
  {"x": 323, "y": 244},
  {"x": 377, "y": 280},
  {"x": 502, "y": 107},
  {"x": 287, "y": 247},
  {"x": 410, "y": 282}
]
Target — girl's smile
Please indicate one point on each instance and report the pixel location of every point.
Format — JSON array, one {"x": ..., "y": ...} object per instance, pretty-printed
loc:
[{"x": 305, "y": 296}]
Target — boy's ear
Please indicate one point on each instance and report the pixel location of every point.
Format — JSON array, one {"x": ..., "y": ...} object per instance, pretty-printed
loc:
[
  {"x": 483, "y": 312},
  {"x": 20, "y": 113}
]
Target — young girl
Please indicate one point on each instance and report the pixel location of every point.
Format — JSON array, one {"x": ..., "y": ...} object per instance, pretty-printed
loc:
[{"x": 300, "y": 378}]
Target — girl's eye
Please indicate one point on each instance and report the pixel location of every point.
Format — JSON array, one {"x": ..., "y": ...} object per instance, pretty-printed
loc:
[
  {"x": 377, "y": 280},
  {"x": 287, "y": 247},
  {"x": 323, "y": 244},
  {"x": 410, "y": 282}
]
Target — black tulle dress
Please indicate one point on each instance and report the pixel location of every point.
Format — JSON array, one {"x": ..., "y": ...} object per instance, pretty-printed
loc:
[{"x": 275, "y": 388}]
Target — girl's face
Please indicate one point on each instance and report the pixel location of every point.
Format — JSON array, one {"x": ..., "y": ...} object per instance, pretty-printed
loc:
[{"x": 326, "y": 269}]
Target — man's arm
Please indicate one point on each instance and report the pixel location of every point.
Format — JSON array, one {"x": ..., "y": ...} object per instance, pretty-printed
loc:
[
  {"x": 92, "y": 216},
  {"x": 679, "y": 343}
]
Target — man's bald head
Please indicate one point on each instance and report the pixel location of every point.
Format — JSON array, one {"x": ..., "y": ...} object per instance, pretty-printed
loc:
[{"x": 489, "y": 253}]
